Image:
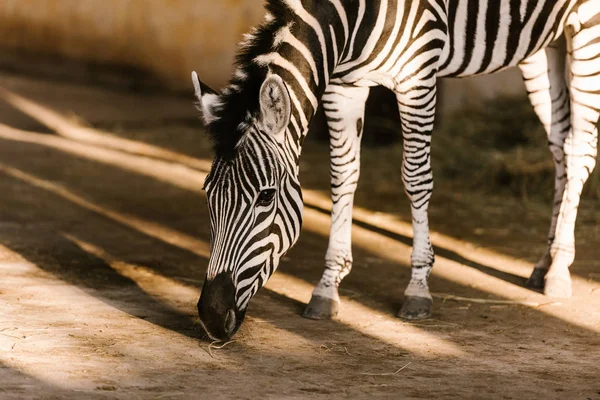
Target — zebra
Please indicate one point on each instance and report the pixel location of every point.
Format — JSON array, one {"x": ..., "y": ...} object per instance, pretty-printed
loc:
[{"x": 330, "y": 52}]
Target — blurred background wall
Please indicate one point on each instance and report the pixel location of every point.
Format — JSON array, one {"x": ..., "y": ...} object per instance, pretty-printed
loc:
[{"x": 168, "y": 39}]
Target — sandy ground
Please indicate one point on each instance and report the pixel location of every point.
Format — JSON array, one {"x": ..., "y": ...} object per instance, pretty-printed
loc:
[{"x": 103, "y": 248}]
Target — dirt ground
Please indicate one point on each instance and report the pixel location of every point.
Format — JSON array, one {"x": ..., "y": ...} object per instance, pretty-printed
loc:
[{"x": 104, "y": 243}]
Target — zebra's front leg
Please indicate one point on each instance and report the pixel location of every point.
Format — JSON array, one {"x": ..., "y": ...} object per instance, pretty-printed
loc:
[
  {"x": 417, "y": 114},
  {"x": 344, "y": 108}
]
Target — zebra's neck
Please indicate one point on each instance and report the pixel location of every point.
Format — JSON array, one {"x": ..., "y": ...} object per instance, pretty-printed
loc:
[
  {"x": 305, "y": 50},
  {"x": 302, "y": 43}
]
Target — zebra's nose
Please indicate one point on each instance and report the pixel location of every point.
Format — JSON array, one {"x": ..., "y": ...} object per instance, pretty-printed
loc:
[
  {"x": 216, "y": 307},
  {"x": 229, "y": 325}
]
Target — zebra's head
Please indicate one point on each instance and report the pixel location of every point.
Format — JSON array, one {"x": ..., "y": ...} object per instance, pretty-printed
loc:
[{"x": 254, "y": 201}]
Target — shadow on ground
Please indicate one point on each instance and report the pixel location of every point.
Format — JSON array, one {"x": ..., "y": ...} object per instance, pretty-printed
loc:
[{"x": 147, "y": 281}]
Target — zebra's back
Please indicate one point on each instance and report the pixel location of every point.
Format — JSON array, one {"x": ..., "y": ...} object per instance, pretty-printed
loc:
[
  {"x": 486, "y": 36},
  {"x": 391, "y": 40}
]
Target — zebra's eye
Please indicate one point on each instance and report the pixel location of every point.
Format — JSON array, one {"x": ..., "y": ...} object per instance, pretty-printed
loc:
[{"x": 266, "y": 196}]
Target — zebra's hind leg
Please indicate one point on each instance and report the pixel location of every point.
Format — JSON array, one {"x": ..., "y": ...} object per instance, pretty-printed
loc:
[
  {"x": 417, "y": 111},
  {"x": 544, "y": 76},
  {"x": 581, "y": 144},
  {"x": 344, "y": 108}
]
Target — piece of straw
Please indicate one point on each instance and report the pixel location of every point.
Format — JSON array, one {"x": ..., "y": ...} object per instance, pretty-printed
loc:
[
  {"x": 387, "y": 373},
  {"x": 212, "y": 346},
  {"x": 444, "y": 297}
]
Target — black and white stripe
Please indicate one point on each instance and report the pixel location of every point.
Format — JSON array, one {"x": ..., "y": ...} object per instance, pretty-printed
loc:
[
  {"x": 250, "y": 233},
  {"x": 331, "y": 52}
]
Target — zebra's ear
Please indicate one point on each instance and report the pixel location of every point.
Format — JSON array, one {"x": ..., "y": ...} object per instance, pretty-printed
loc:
[
  {"x": 275, "y": 107},
  {"x": 207, "y": 99}
]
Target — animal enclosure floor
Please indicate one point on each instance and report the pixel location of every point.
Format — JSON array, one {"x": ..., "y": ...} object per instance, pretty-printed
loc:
[{"x": 104, "y": 242}]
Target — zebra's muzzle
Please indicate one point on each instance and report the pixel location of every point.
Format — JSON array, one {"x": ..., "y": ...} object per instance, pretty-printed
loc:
[{"x": 217, "y": 309}]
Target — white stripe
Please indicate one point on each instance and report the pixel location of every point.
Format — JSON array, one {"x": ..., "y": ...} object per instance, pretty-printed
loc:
[
  {"x": 523, "y": 9},
  {"x": 334, "y": 44},
  {"x": 299, "y": 109}
]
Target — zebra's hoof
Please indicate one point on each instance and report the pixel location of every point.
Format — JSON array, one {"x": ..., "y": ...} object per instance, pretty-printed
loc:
[
  {"x": 558, "y": 286},
  {"x": 416, "y": 308},
  {"x": 536, "y": 280},
  {"x": 321, "y": 308}
]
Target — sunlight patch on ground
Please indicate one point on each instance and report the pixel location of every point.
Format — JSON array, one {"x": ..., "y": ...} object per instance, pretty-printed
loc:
[{"x": 376, "y": 324}]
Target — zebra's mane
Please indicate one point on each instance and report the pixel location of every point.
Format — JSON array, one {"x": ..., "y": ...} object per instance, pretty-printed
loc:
[{"x": 239, "y": 100}]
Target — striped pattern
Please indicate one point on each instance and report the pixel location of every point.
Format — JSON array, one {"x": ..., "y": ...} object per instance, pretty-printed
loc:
[
  {"x": 249, "y": 236},
  {"x": 330, "y": 53}
]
